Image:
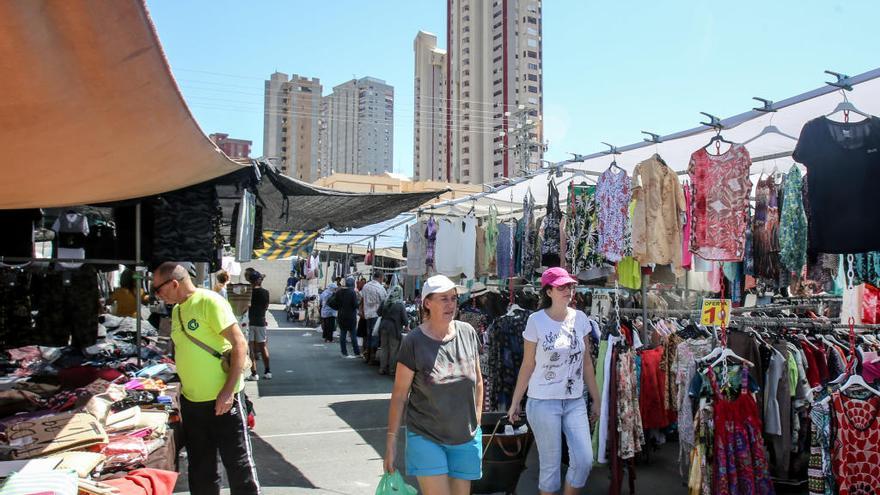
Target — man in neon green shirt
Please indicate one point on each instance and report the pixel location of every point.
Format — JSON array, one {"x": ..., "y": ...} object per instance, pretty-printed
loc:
[{"x": 211, "y": 406}]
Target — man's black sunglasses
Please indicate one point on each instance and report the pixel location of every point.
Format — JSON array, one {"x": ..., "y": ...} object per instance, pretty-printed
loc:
[{"x": 156, "y": 288}]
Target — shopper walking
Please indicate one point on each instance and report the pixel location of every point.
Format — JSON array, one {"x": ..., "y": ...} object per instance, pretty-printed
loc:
[
  {"x": 345, "y": 302},
  {"x": 394, "y": 321},
  {"x": 556, "y": 366},
  {"x": 374, "y": 296},
  {"x": 212, "y": 406},
  {"x": 258, "y": 325},
  {"x": 222, "y": 279},
  {"x": 440, "y": 386},
  {"x": 328, "y": 314}
]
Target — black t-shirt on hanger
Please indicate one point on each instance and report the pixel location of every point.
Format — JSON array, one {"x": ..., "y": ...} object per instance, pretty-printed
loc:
[{"x": 843, "y": 177}]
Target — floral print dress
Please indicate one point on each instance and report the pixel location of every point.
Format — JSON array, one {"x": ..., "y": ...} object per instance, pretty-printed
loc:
[
  {"x": 582, "y": 230},
  {"x": 629, "y": 421},
  {"x": 740, "y": 463},
  {"x": 613, "y": 193}
]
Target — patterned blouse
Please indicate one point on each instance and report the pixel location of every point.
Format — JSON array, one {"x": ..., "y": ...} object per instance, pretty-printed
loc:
[
  {"x": 721, "y": 187},
  {"x": 793, "y": 223},
  {"x": 613, "y": 193}
]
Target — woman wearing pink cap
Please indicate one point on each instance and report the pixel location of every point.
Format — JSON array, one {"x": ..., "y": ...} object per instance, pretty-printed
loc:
[{"x": 555, "y": 367}]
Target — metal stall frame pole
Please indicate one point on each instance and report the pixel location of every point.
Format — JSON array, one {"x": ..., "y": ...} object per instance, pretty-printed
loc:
[{"x": 140, "y": 271}]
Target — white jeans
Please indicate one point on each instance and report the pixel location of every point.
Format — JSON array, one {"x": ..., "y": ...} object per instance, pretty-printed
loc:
[{"x": 549, "y": 419}]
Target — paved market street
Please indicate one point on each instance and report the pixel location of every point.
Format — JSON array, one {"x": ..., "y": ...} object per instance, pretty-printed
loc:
[{"x": 321, "y": 422}]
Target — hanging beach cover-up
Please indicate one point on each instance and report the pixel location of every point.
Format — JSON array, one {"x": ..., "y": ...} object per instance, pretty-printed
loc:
[{"x": 613, "y": 193}]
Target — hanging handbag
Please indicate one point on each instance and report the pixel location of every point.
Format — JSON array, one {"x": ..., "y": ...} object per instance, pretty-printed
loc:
[
  {"x": 368, "y": 259},
  {"x": 225, "y": 358}
]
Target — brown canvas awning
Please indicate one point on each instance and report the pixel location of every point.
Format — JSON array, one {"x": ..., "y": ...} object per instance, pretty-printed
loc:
[{"x": 90, "y": 112}]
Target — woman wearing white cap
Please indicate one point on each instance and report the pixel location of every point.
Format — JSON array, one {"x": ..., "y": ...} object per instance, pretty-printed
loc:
[
  {"x": 438, "y": 377},
  {"x": 556, "y": 366}
]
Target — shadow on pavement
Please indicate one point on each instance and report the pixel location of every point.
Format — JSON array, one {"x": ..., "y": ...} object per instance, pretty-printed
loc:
[
  {"x": 303, "y": 364},
  {"x": 272, "y": 469},
  {"x": 363, "y": 416}
]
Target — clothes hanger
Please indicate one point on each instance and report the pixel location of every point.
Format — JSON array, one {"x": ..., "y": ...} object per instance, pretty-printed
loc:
[
  {"x": 717, "y": 139},
  {"x": 770, "y": 129},
  {"x": 856, "y": 379},
  {"x": 729, "y": 354},
  {"x": 847, "y": 107}
]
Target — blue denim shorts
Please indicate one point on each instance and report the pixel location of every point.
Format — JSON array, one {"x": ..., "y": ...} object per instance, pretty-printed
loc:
[{"x": 428, "y": 458}]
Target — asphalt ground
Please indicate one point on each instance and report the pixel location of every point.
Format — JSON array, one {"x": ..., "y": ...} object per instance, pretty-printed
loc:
[{"x": 321, "y": 424}]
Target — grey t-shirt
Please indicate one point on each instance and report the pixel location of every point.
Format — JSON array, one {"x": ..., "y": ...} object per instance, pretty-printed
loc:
[{"x": 442, "y": 406}]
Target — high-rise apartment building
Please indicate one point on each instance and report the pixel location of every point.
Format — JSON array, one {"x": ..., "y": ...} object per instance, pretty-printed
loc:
[
  {"x": 429, "y": 136},
  {"x": 494, "y": 74},
  {"x": 292, "y": 125},
  {"x": 234, "y": 148},
  {"x": 360, "y": 127}
]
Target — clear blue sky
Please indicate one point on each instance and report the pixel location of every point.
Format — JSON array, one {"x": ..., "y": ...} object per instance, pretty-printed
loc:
[{"x": 611, "y": 69}]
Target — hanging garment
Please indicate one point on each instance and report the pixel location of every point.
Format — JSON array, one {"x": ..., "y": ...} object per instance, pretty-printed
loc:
[
  {"x": 467, "y": 250},
  {"x": 656, "y": 224},
  {"x": 721, "y": 188},
  {"x": 550, "y": 227},
  {"x": 506, "y": 354},
  {"x": 446, "y": 257},
  {"x": 491, "y": 240},
  {"x": 629, "y": 422},
  {"x": 686, "y": 255},
  {"x": 455, "y": 253},
  {"x": 653, "y": 384},
  {"x": 481, "y": 269},
  {"x": 843, "y": 166},
  {"x": 582, "y": 226},
  {"x": 430, "y": 245},
  {"x": 504, "y": 250},
  {"x": 685, "y": 368},
  {"x": 820, "y": 475},
  {"x": 740, "y": 462},
  {"x": 855, "y": 450},
  {"x": 16, "y": 324},
  {"x": 415, "y": 249},
  {"x": 186, "y": 226},
  {"x": 793, "y": 223},
  {"x": 72, "y": 230},
  {"x": 765, "y": 230},
  {"x": 529, "y": 239},
  {"x": 613, "y": 193},
  {"x": 67, "y": 309}
]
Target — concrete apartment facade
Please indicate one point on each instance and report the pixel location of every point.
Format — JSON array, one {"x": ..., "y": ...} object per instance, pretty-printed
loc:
[
  {"x": 360, "y": 127},
  {"x": 494, "y": 66},
  {"x": 429, "y": 133},
  {"x": 292, "y": 125}
]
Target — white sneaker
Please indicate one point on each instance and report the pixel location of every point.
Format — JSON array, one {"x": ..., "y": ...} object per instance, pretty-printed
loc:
[
  {"x": 253, "y": 378},
  {"x": 267, "y": 376}
]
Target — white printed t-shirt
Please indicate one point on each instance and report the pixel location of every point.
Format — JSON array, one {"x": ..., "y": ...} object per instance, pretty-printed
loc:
[{"x": 559, "y": 355}]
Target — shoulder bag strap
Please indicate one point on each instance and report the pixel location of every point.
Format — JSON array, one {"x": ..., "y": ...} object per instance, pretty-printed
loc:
[{"x": 196, "y": 341}]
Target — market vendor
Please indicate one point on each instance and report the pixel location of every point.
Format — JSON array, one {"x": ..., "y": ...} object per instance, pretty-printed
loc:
[
  {"x": 211, "y": 406},
  {"x": 124, "y": 297}
]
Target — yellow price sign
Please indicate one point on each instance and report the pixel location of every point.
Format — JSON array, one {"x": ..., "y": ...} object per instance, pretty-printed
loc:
[{"x": 715, "y": 312}]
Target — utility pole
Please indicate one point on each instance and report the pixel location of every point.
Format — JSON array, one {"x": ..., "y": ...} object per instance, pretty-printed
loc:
[{"x": 521, "y": 125}]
